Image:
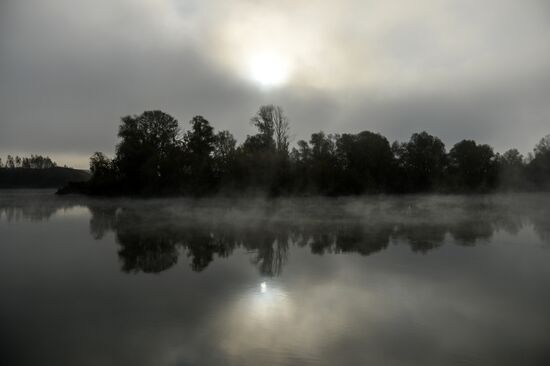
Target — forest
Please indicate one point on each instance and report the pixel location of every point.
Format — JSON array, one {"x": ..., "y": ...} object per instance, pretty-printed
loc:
[
  {"x": 37, "y": 171},
  {"x": 154, "y": 157}
]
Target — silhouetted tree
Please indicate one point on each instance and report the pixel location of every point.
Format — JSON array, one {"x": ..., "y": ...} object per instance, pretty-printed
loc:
[
  {"x": 265, "y": 123},
  {"x": 104, "y": 175},
  {"x": 472, "y": 166},
  {"x": 511, "y": 170},
  {"x": 367, "y": 162},
  {"x": 224, "y": 155},
  {"x": 262, "y": 160},
  {"x": 422, "y": 161},
  {"x": 10, "y": 162},
  {"x": 539, "y": 166},
  {"x": 199, "y": 144},
  {"x": 316, "y": 164},
  {"x": 152, "y": 158},
  {"x": 148, "y": 153},
  {"x": 282, "y": 129}
]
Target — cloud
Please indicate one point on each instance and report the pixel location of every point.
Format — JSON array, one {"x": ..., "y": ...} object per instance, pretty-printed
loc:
[{"x": 461, "y": 69}]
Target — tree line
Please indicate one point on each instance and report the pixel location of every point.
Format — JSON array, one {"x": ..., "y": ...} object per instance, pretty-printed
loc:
[
  {"x": 154, "y": 157},
  {"x": 32, "y": 162},
  {"x": 37, "y": 171}
]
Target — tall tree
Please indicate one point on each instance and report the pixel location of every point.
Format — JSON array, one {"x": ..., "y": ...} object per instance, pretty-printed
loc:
[
  {"x": 263, "y": 121},
  {"x": 273, "y": 127},
  {"x": 422, "y": 160},
  {"x": 263, "y": 160},
  {"x": 282, "y": 129},
  {"x": 511, "y": 170},
  {"x": 224, "y": 155},
  {"x": 472, "y": 166},
  {"x": 147, "y": 152},
  {"x": 104, "y": 177},
  {"x": 539, "y": 166},
  {"x": 367, "y": 162},
  {"x": 199, "y": 143}
]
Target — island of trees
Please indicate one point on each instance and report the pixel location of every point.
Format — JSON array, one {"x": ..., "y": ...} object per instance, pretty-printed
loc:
[
  {"x": 36, "y": 171},
  {"x": 154, "y": 157}
]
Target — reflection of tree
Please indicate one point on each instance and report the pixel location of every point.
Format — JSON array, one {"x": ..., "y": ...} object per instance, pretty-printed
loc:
[
  {"x": 151, "y": 236},
  {"x": 152, "y": 242},
  {"x": 271, "y": 256},
  {"x": 146, "y": 253},
  {"x": 202, "y": 245},
  {"x": 103, "y": 219},
  {"x": 32, "y": 212},
  {"x": 541, "y": 224},
  {"x": 152, "y": 239},
  {"x": 423, "y": 237},
  {"x": 364, "y": 240},
  {"x": 469, "y": 231}
]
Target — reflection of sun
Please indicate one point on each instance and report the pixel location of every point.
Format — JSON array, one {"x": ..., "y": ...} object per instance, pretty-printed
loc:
[{"x": 268, "y": 68}]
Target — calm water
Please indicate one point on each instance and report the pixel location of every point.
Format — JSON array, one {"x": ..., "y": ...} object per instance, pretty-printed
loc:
[{"x": 415, "y": 280}]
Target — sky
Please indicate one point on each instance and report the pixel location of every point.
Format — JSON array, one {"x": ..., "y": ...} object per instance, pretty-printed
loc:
[{"x": 459, "y": 69}]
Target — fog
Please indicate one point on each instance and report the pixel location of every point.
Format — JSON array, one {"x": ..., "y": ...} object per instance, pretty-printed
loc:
[
  {"x": 425, "y": 280},
  {"x": 153, "y": 233}
]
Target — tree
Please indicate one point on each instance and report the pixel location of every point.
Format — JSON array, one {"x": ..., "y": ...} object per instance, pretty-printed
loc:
[
  {"x": 148, "y": 152},
  {"x": 104, "y": 177},
  {"x": 199, "y": 143},
  {"x": 99, "y": 164},
  {"x": 422, "y": 160},
  {"x": 472, "y": 166},
  {"x": 317, "y": 162},
  {"x": 25, "y": 163},
  {"x": 263, "y": 121},
  {"x": 224, "y": 155},
  {"x": 10, "y": 162},
  {"x": 538, "y": 168},
  {"x": 543, "y": 146},
  {"x": 273, "y": 127},
  {"x": 367, "y": 162},
  {"x": 153, "y": 158},
  {"x": 263, "y": 160},
  {"x": 511, "y": 170},
  {"x": 282, "y": 129},
  {"x": 17, "y": 162}
]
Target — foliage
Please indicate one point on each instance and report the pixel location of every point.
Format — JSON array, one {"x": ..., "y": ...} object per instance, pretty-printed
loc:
[
  {"x": 422, "y": 161},
  {"x": 32, "y": 162},
  {"x": 154, "y": 158},
  {"x": 472, "y": 167},
  {"x": 538, "y": 169}
]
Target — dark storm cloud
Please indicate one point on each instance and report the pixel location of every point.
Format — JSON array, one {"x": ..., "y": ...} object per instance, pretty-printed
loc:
[{"x": 459, "y": 69}]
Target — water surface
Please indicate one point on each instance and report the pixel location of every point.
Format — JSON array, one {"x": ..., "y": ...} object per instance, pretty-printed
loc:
[{"x": 409, "y": 280}]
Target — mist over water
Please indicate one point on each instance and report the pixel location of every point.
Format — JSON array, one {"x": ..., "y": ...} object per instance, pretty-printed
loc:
[{"x": 398, "y": 280}]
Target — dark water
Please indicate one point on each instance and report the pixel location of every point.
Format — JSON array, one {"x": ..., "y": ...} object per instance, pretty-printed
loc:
[{"x": 415, "y": 280}]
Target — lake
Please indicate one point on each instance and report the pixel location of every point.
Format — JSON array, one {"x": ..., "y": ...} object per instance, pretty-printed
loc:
[{"x": 381, "y": 280}]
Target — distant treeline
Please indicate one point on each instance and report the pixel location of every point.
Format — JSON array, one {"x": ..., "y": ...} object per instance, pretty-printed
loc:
[
  {"x": 34, "y": 162},
  {"x": 153, "y": 157},
  {"x": 37, "y": 172}
]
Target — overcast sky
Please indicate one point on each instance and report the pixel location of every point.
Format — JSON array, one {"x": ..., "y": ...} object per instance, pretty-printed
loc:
[{"x": 457, "y": 68}]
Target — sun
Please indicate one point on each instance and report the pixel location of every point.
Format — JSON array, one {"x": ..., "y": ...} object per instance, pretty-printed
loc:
[{"x": 268, "y": 69}]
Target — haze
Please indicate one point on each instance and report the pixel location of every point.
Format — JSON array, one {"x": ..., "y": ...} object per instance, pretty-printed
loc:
[{"x": 456, "y": 68}]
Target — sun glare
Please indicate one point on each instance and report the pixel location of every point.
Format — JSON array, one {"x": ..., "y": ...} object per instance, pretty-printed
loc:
[{"x": 268, "y": 69}]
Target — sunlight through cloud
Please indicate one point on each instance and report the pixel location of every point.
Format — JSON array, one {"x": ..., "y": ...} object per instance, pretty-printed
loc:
[{"x": 268, "y": 69}]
